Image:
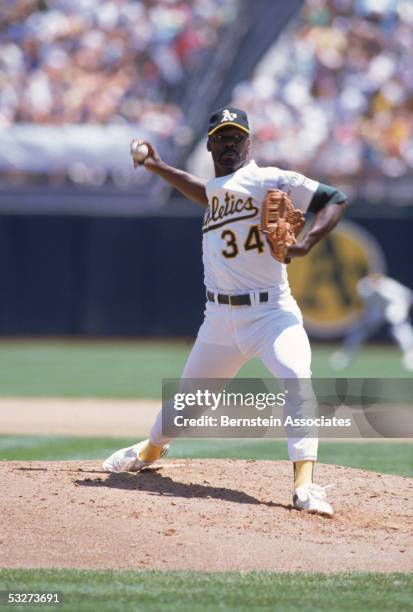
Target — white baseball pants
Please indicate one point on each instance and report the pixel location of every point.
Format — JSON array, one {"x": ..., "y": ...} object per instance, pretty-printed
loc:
[{"x": 232, "y": 335}]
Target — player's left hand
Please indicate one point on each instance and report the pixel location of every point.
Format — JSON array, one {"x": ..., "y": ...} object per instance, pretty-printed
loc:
[{"x": 299, "y": 249}]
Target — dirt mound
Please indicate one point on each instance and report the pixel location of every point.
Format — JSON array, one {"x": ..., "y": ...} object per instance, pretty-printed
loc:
[{"x": 201, "y": 515}]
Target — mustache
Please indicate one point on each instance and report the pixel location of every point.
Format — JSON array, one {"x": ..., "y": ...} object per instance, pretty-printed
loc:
[{"x": 230, "y": 150}]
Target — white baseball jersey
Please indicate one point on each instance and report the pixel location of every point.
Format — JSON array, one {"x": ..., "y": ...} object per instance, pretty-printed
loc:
[{"x": 236, "y": 255}]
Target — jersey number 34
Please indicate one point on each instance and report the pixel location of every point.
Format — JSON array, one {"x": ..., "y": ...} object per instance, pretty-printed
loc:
[{"x": 252, "y": 241}]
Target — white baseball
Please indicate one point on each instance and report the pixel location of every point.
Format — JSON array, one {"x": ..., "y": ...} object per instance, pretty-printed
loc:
[{"x": 139, "y": 151}]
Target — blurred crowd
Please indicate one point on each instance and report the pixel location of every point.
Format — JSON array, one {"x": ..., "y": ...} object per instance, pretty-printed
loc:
[
  {"x": 335, "y": 96},
  {"x": 102, "y": 61}
]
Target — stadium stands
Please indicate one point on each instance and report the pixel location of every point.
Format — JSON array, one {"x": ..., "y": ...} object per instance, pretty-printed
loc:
[{"x": 334, "y": 97}]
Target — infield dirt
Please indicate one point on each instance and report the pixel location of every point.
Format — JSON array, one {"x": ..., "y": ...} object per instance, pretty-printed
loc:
[{"x": 208, "y": 515}]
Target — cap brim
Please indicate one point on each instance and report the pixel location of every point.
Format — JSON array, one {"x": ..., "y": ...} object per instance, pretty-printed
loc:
[{"x": 231, "y": 123}]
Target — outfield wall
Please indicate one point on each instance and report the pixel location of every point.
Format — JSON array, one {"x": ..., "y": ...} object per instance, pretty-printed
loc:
[{"x": 136, "y": 276}]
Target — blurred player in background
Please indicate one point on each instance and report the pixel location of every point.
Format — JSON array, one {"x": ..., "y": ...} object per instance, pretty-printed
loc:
[{"x": 386, "y": 302}]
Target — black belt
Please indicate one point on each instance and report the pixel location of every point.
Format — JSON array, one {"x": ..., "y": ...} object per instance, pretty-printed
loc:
[{"x": 235, "y": 300}]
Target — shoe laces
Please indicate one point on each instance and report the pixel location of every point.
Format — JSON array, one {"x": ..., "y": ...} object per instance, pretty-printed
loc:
[
  {"x": 318, "y": 491},
  {"x": 131, "y": 456}
]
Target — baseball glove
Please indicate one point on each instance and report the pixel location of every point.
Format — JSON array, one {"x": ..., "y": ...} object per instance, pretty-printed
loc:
[{"x": 280, "y": 222}]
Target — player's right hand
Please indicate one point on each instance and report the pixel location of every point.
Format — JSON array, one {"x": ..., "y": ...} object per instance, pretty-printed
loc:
[{"x": 152, "y": 160}]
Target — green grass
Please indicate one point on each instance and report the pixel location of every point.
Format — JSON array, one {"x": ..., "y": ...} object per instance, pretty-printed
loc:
[
  {"x": 195, "y": 592},
  {"x": 135, "y": 369},
  {"x": 88, "y": 369},
  {"x": 389, "y": 458}
]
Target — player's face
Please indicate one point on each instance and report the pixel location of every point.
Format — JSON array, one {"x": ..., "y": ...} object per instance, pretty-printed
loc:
[{"x": 229, "y": 148}]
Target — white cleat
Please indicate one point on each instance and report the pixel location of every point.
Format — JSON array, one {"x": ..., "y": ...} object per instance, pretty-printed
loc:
[
  {"x": 312, "y": 498},
  {"x": 127, "y": 459}
]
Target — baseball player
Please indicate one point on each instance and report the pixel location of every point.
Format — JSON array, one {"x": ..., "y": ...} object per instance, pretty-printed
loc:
[
  {"x": 250, "y": 311},
  {"x": 386, "y": 301}
]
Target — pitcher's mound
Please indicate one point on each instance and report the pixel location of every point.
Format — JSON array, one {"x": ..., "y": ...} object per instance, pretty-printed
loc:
[{"x": 204, "y": 515}]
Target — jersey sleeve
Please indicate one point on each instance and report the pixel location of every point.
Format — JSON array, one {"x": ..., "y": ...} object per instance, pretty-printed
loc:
[
  {"x": 300, "y": 189},
  {"x": 326, "y": 195},
  {"x": 208, "y": 187}
]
